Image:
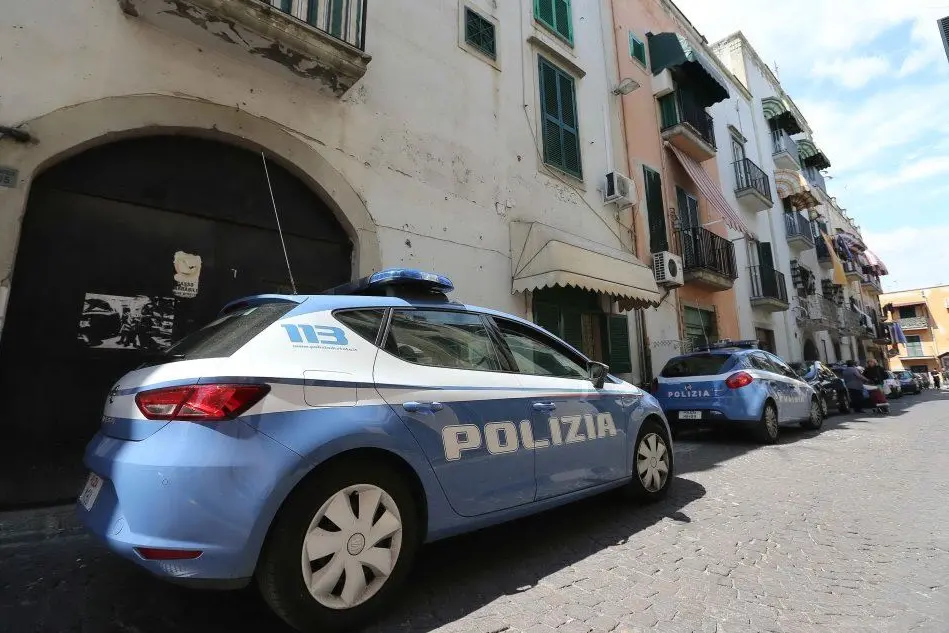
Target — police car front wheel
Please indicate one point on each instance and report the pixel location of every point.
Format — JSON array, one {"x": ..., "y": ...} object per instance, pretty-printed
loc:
[
  {"x": 653, "y": 466},
  {"x": 340, "y": 547}
]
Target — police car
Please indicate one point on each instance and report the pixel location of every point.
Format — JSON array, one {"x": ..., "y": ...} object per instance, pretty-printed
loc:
[
  {"x": 312, "y": 443},
  {"x": 735, "y": 382}
]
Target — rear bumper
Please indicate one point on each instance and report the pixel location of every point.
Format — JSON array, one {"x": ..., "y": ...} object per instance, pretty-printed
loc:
[
  {"x": 714, "y": 415},
  {"x": 188, "y": 487}
]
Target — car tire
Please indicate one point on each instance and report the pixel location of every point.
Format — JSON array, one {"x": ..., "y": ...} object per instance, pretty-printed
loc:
[
  {"x": 816, "y": 418},
  {"x": 767, "y": 428},
  {"x": 843, "y": 398},
  {"x": 339, "y": 490},
  {"x": 652, "y": 451}
]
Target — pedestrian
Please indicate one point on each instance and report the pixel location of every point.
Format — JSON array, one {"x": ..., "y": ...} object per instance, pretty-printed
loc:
[
  {"x": 936, "y": 379},
  {"x": 874, "y": 373},
  {"x": 854, "y": 380}
]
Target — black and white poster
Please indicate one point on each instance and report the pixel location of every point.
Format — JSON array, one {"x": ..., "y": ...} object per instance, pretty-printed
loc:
[{"x": 117, "y": 322}]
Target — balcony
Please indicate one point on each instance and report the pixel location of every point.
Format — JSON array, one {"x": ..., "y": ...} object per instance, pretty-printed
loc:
[
  {"x": 824, "y": 260},
  {"x": 318, "y": 44},
  {"x": 918, "y": 350},
  {"x": 708, "y": 260},
  {"x": 815, "y": 178},
  {"x": 769, "y": 289},
  {"x": 914, "y": 323},
  {"x": 798, "y": 231},
  {"x": 817, "y": 313},
  {"x": 851, "y": 270},
  {"x": 687, "y": 125},
  {"x": 752, "y": 187},
  {"x": 871, "y": 283},
  {"x": 785, "y": 150},
  {"x": 851, "y": 323}
]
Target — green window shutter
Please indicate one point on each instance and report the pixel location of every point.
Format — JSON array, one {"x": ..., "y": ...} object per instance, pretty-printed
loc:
[
  {"x": 336, "y": 18},
  {"x": 658, "y": 240},
  {"x": 479, "y": 32},
  {"x": 765, "y": 257},
  {"x": 559, "y": 111},
  {"x": 682, "y": 207},
  {"x": 637, "y": 50},
  {"x": 572, "y": 327},
  {"x": 668, "y": 114},
  {"x": 557, "y": 16},
  {"x": 547, "y": 316},
  {"x": 619, "y": 359},
  {"x": 284, "y": 5}
]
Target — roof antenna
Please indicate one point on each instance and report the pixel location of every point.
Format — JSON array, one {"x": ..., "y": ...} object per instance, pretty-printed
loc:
[{"x": 286, "y": 257}]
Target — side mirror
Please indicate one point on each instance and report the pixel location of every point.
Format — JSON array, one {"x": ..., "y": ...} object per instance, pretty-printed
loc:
[{"x": 597, "y": 372}]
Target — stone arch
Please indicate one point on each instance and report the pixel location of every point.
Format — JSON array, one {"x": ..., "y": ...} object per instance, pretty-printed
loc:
[
  {"x": 73, "y": 129},
  {"x": 810, "y": 350}
]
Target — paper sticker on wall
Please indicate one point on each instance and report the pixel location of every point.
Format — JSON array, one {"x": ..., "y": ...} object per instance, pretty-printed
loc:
[
  {"x": 117, "y": 322},
  {"x": 187, "y": 271}
]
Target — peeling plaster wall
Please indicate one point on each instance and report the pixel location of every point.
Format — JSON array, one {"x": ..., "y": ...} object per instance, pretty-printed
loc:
[{"x": 436, "y": 142}]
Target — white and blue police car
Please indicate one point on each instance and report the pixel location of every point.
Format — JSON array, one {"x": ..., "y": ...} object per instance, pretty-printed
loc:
[
  {"x": 735, "y": 382},
  {"x": 312, "y": 443}
]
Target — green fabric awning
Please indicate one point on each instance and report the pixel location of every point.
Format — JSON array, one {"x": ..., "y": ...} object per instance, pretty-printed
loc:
[
  {"x": 776, "y": 111},
  {"x": 672, "y": 51},
  {"x": 811, "y": 156}
]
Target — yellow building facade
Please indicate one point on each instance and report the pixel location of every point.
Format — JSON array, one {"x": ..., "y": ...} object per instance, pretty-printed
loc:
[{"x": 923, "y": 316}]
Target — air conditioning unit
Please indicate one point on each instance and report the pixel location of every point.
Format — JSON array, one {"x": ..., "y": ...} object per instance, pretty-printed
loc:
[
  {"x": 662, "y": 84},
  {"x": 668, "y": 269},
  {"x": 620, "y": 190}
]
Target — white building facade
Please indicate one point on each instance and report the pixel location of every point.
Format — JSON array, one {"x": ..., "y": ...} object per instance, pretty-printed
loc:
[{"x": 470, "y": 138}]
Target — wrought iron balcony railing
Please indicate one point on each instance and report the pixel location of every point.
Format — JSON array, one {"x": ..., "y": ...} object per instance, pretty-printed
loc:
[
  {"x": 798, "y": 228},
  {"x": 702, "y": 249},
  {"x": 677, "y": 109},
  {"x": 914, "y": 323},
  {"x": 768, "y": 283},
  {"x": 750, "y": 176},
  {"x": 782, "y": 143}
]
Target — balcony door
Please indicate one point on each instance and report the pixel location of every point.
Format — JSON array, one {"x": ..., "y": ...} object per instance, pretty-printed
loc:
[
  {"x": 769, "y": 283},
  {"x": 914, "y": 346},
  {"x": 690, "y": 227}
]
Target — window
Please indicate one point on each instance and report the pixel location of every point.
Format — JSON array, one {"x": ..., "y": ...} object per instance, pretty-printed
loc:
[
  {"x": 457, "y": 340},
  {"x": 284, "y": 5},
  {"x": 738, "y": 149},
  {"x": 759, "y": 361},
  {"x": 559, "y": 119},
  {"x": 556, "y": 16},
  {"x": 658, "y": 240},
  {"x": 365, "y": 323},
  {"x": 637, "y": 50},
  {"x": 695, "y": 365},
  {"x": 479, "y": 33},
  {"x": 765, "y": 339},
  {"x": 780, "y": 366},
  {"x": 533, "y": 354},
  {"x": 688, "y": 208},
  {"x": 700, "y": 326},
  {"x": 224, "y": 336},
  {"x": 907, "y": 312}
]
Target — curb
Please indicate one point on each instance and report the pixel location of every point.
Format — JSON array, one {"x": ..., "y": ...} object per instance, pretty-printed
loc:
[{"x": 26, "y": 526}]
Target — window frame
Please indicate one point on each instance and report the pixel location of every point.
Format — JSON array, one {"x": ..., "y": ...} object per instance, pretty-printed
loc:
[
  {"x": 559, "y": 72},
  {"x": 545, "y": 338},
  {"x": 469, "y": 10},
  {"x": 382, "y": 324},
  {"x": 552, "y": 28},
  {"x": 463, "y": 7},
  {"x": 633, "y": 38},
  {"x": 503, "y": 365}
]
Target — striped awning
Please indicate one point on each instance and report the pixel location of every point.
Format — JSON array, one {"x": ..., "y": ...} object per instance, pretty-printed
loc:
[{"x": 712, "y": 192}]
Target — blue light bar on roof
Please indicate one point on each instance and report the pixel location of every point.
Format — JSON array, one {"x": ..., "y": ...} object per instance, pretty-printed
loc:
[{"x": 405, "y": 277}]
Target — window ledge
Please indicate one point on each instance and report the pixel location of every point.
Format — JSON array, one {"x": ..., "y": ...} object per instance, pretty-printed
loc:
[{"x": 556, "y": 55}]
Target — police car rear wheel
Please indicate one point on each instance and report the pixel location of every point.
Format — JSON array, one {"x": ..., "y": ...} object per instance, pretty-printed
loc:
[
  {"x": 653, "y": 470},
  {"x": 816, "y": 417},
  {"x": 340, "y": 547},
  {"x": 767, "y": 427}
]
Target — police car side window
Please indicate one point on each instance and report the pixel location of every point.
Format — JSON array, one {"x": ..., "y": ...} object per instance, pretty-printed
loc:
[
  {"x": 760, "y": 361},
  {"x": 781, "y": 368},
  {"x": 437, "y": 338},
  {"x": 535, "y": 354}
]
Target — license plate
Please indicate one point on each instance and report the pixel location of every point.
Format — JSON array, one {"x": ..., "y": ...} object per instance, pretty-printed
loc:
[
  {"x": 690, "y": 415},
  {"x": 91, "y": 491}
]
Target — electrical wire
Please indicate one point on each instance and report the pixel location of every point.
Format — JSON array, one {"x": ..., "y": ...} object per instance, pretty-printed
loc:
[{"x": 273, "y": 201}]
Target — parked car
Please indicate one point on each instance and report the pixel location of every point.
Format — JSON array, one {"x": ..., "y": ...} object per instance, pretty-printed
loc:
[
  {"x": 735, "y": 383},
  {"x": 345, "y": 429},
  {"x": 830, "y": 386},
  {"x": 908, "y": 382},
  {"x": 891, "y": 383}
]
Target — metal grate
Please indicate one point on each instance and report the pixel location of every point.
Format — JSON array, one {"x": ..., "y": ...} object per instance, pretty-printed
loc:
[{"x": 479, "y": 32}]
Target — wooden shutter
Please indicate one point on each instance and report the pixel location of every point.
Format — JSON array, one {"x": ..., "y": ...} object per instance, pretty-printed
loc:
[
  {"x": 637, "y": 50},
  {"x": 618, "y": 357},
  {"x": 557, "y": 16},
  {"x": 284, "y": 5},
  {"x": 547, "y": 316},
  {"x": 765, "y": 258},
  {"x": 559, "y": 113},
  {"x": 658, "y": 240},
  {"x": 572, "y": 321},
  {"x": 669, "y": 115}
]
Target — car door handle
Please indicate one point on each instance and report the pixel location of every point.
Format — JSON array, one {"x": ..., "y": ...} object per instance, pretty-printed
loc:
[
  {"x": 423, "y": 407},
  {"x": 544, "y": 406}
]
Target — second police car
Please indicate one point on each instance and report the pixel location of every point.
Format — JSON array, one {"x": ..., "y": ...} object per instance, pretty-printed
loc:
[
  {"x": 734, "y": 382},
  {"x": 312, "y": 443}
]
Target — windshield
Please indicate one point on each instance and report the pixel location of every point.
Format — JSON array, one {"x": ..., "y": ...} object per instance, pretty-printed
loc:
[
  {"x": 227, "y": 334},
  {"x": 695, "y": 365},
  {"x": 904, "y": 375}
]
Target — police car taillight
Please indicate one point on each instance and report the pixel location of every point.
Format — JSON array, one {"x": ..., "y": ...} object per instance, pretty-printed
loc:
[
  {"x": 739, "y": 380},
  {"x": 199, "y": 403}
]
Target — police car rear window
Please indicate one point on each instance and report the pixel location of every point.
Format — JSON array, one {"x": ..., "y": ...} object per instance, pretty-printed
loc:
[
  {"x": 227, "y": 334},
  {"x": 695, "y": 365}
]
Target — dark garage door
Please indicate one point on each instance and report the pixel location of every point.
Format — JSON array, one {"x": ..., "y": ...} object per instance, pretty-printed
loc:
[{"x": 106, "y": 271}]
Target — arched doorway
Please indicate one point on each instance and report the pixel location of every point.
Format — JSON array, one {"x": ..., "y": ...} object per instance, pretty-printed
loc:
[
  {"x": 810, "y": 350},
  {"x": 112, "y": 236}
]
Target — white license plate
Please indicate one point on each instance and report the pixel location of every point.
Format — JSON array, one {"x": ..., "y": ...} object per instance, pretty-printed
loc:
[
  {"x": 690, "y": 415},
  {"x": 91, "y": 492}
]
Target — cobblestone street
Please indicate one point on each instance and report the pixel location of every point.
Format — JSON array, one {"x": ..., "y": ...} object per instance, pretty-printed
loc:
[{"x": 839, "y": 531}]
